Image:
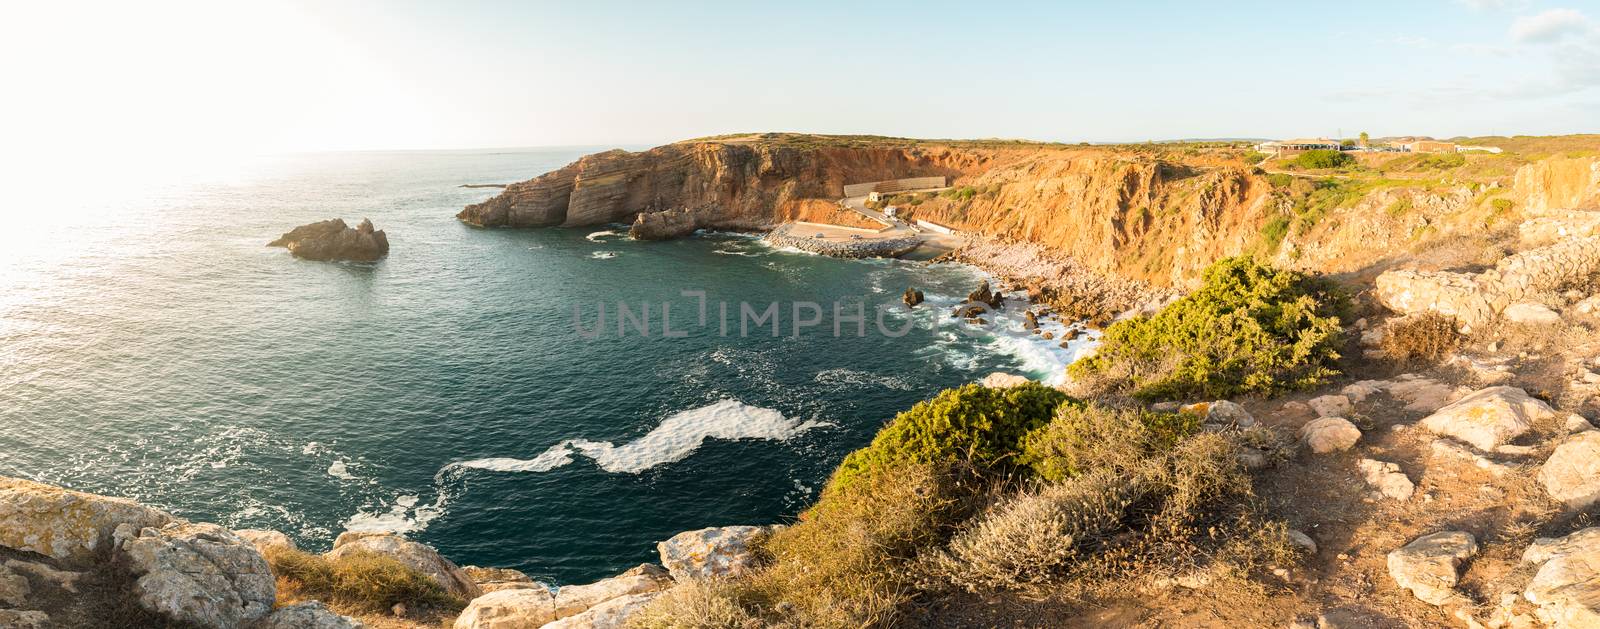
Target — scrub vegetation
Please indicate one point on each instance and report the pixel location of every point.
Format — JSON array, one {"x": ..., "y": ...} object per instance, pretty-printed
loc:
[{"x": 1250, "y": 328}]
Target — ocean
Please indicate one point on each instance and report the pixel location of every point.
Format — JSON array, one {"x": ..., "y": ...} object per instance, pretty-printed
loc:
[{"x": 459, "y": 390}]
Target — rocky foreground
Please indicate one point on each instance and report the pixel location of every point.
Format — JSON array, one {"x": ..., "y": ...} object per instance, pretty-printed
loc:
[
  {"x": 334, "y": 240},
  {"x": 73, "y": 559}
]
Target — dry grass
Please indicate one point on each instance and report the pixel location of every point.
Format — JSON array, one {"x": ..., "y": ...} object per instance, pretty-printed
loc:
[
  {"x": 845, "y": 563},
  {"x": 1142, "y": 502},
  {"x": 1421, "y": 338},
  {"x": 363, "y": 582},
  {"x": 697, "y": 604},
  {"x": 1027, "y": 541}
]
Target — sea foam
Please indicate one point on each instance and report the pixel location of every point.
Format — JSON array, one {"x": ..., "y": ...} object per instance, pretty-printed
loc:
[{"x": 674, "y": 439}]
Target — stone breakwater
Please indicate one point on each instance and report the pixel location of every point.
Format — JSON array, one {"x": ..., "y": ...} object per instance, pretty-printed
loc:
[
  {"x": 865, "y": 248},
  {"x": 1475, "y": 299}
]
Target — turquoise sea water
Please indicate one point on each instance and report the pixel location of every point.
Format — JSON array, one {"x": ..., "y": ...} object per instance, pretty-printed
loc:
[{"x": 152, "y": 347}]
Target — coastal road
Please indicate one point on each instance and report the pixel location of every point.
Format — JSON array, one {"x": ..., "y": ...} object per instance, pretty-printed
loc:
[{"x": 931, "y": 240}]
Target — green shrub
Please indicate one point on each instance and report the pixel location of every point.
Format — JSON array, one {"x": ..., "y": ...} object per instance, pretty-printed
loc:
[
  {"x": 974, "y": 424},
  {"x": 1074, "y": 443},
  {"x": 964, "y": 193},
  {"x": 1250, "y": 328},
  {"x": 1280, "y": 180},
  {"x": 1399, "y": 207},
  {"x": 1273, "y": 232},
  {"x": 1322, "y": 158},
  {"x": 1254, "y": 157},
  {"x": 1501, "y": 204}
]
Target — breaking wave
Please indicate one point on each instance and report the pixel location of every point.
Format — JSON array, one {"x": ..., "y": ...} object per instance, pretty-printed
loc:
[{"x": 677, "y": 437}]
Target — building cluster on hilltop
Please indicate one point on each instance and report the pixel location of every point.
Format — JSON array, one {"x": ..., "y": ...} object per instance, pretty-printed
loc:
[{"x": 1283, "y": 148}]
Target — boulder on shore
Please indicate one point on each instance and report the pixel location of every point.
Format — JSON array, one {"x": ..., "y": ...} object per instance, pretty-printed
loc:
[
  {"x": 65, "y": 524},
  {"x": 1572, "y": 473},
  {"x": 334, "y": 240},
  {"x": 1330, "y": 434},
  {"x": 1428, "y": 565},
  {"x": 912, "y": 297},
  {"x": 1567, "y": 585},
  {"x": 663, "y": 225},
  {"x": 201, "y": 574},
  {"x": 417, "y": 556},
  {"x": 711, "y": 552},
  {"x": 1488, "y": 418}
]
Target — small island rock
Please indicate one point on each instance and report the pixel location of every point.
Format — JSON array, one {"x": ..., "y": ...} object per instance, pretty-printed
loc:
[{"x": 334, "y": 240}]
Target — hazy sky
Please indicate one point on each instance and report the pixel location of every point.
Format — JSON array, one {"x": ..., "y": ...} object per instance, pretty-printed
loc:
[{"x": 332, "y": 74}]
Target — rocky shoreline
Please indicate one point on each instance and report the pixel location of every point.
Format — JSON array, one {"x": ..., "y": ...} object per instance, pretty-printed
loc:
[
  {"x": 74, "y": 559},
  {"x": 1055, "y": 278}
]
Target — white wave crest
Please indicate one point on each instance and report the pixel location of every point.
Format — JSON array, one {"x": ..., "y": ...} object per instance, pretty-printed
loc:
[
  {"x": 557, "y": 456},
  {"x": 338, "y": 469},
  {"x": 403, "y": 516},
  {"x": 603, "y": 255},
  {"x": 841, "y": 376},
  {"x": 599, "y": 236},
  {"x": 673, "y": 440}
]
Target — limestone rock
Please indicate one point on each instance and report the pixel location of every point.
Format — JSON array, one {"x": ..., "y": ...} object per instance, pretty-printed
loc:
[
  {"x": 334, "y": 240},
  {"x": 21, "y": 619},
  {"x": 496, "y": 579},
  {"x": 1222, "y": 412},
  {"x": 912, "y": 297},
  {"x": 200, "y": 573},
  {"x": 14, "y": 588},
  {"x": 1455, "y": 295},
  {"x": 308, "y": 615},
  {"x": 1387, "y": 479},
  {"x": 1531, "y": 313},
  {"x": 1452, "y": 450},
  {"x": 65, "y": 579},
  {"x": 420, "y": 557},
  {"x": 1427, "y": 566},
  {"x": 1002, "y": 380},
  {"x": 1330, "y": 434},
  {"x": 612, "y": 614},
  {"x": 1330, "y": 405},
  {"x": 1572, "y": 473},
  {"x": 1567, "y": 585},
  {"x": 982, "y": 295},
  {"x": 265, "y": 539},
  {"x": 509, "y": 609},
  {"x": 664, "y": 225},
  {"x": 1360, "y": 391},
  {"x": 1489, "y": 417},
  {"x": 65, "y": 524},
  {"x": 711, "y": 552},
  {"x": 1423, "y": 395},
  {"x": 1576, "y": 424},
  {"x": 1303, "y": 541},
  {"x": 576, "y": 599}
]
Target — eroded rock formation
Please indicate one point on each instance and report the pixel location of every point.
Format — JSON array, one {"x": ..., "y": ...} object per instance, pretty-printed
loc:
[
  {"x": 333, "y": 240},
  {"x": 663, "y": 225}
]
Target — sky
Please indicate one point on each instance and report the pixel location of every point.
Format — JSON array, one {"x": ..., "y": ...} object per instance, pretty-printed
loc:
[{"x": 173, "y": 78}]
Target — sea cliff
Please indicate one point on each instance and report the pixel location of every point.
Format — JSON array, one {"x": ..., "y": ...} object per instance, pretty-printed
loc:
[{"x": 1155, "y": 215}]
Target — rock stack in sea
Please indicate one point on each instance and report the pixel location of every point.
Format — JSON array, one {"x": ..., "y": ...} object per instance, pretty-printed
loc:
[
  {"x": 663, "y": 225},
  {"x": 334, "y": 240}
]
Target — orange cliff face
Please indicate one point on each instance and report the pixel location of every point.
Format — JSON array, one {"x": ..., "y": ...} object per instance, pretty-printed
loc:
[
  {"x": 1154, "y": 214},
  {"x": 731, "y": 185}
]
